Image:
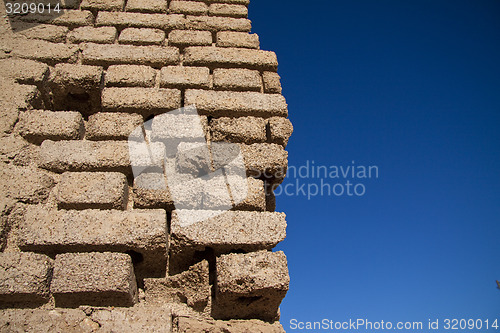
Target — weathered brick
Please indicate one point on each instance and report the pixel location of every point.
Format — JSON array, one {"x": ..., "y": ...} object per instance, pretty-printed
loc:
[
  {"x": 250, "y": 285},
  {"x": 59, "y": 231},
  {"x": 272, "y": 84},
  {"x": 130, "y": 76},
  {"x": 112, "y": 125},
  {"x": 44, "y": 51},
  {"x": 188, "y": 7},
  {"x": 234, "y": 57},
  {"x": 24, "y": 71},
  {"x": 264, "y": 160},
  {"x": 141, "y": 100},
  {"x": 280, "y": 129},
  {"x": 185, "y": 77},
  {"x": 25, "y": 184},
  {"x": 101, "y": 35},
  {"x": 51, "y": 33},
  {"x": 110, "y": 5},
  {"x": 233, "y": 104},
  {"x": 237, "y": 79},
  {"x": 213, "y": 23},
  {"x": 105, "y": 55},
  {"x": 221, "y": 9},
  {"x": 98, "y": 279},
  {"x": 151, "y": 191},
  {"x": 237, "y": 39},
  {"x": 185, "y": 127},
  {"x": 140, "y": 20},
  {"x": 37, "y": 125},
  {"x": 191, "y": 324},
  {"x": 70, "y": 18},
  {"x": 92, "y": 190},
  {"x": 190, "y": 38},
  {"x": 240, "y": 2},
  {"x": 243, "y": 129},
  {"x": 24, "y": 278},
  {"x": 18, "y": 96},
  {"x": 146, "y": 6},
  {"x": 141, "y": 36}
]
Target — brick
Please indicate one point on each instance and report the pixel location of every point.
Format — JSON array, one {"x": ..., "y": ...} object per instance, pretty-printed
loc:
[
  {"x": 138, "y": 231},
  {"x": 229, "y": 10},
  {"x": 141, "y": 36},
  {"x": 250, "y": 285},
  {"x": 112, "y": 125},
  {"x": 185, "y": 127},
  {"x": 193, "y": 158},
  {"x": 239, "y": 79},
  {"x": 146, "y": 6},
  {"x": 146, "y": 101},
  {"x": 44, "y": 51},
  {"x": 130, "y": 76},
  {"x": 24, "y": 71},
  {"x": 36, "y": 126},
  {"x": 188, "y": 7},
  {"x": 237, "y": 39},
  {"x": 272, "y": 84},
  {"x": 213, "y": 23},
  {"x": 191, "y": 324},
  {"x": 105, "y": 55},
  {"x": 60, "y": 156},
  {"x": 98, "y": 279},
  {"x": 70, "y": 18},
  {"x": 190, "y": 38},
  {"x": 18, "y": 97},
  {"x": 150, "y": 191},
  {"x": 280, "y": 129},
  {"x": 101, "y": 35},
  {"x": 140, "y": 20},
  {"x": 92, "y": 190},
  {"x": 51, "y": 33},
  {"x": 233, "y": 104},
  {"x": 255, "y": 199},
  {"x": 241, "y": 130},
  {"x": 240, "y": 2},
  {"x": 24, "y": 278},
  {"x": 109, "y": 5},
  {"x": 27, "y": 185},
  {"x": 233, "y": 57},
  {"x": 264, "y": 160},
  {"x": 185, "y": 77}
]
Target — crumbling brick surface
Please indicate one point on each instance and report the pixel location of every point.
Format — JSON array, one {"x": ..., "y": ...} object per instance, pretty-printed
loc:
[{"x": 120, "y": 209}]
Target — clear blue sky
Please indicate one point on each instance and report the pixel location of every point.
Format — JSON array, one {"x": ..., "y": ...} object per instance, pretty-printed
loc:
[{"x": 412, "y": 87}]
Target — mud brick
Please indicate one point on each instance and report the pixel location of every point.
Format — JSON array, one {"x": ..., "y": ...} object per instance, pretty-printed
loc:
[
  {"x": 272, "y": 83},
  {"x": 190, "y": 324},
  {"x": 141, "y": 20},
  {"x": 179, "y": 127},
  {"x": 18, "y": 96},
  {"x": 141, "y": 36},
  {"x": 51, "y": 33},
  {"x": 190, "y": 38},
  {"x": 244, "y": 129},
  {"x": 185, "y": 77},
  {"x": 146, "y": 6},
  {"x": 130, "y": 76},
  {"x": 25, "y": 184},
  {"x": 237, "y": 39},
  {"x": 146, "y": 101},
  {"x": 44, "y": 51},
  {"x": 112, "y": 125},
  {"x": 101, "y": 35},
  {"x": 213, "y": 23},
  {"x": 151, "y": 191},
  {"x": 265, "y": 161},
  {"x": 92, "y": 190},
  {"x": 281, "y": 129},
  {"x": 109, "y": 5},
  {"x": 234, "y": 57},
  {"x": 240, "y": 2},
  {"x": 99, "y": 279},
  {"x": 188, "y": 7},
  {"x": 24, "y": 71},
  {"x": 37, "y": 125},
  {"x": 237, "y": 79},
  {"x": 220, "y": 9}
]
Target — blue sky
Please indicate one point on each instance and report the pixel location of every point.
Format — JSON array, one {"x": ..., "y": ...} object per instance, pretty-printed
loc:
[{"x": 412, "y": 87}]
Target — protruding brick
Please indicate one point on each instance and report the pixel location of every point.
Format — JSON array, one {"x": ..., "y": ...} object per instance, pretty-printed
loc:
[
  {"x": 264, "y": 160},
  {"x": 250, "y": 285},
  {"x": 36, "y": 126},
  {"x": 24, "y": 71},
  {"x": 105, "y": 55},
  {"x": 213, "y": 23},
  {"x": 141, "y": 20},
  {"x": 146, "y": 6},
  {"x": 51, "y": 33},
  {"x": 146, "y": 101},
  {"x": 109, "y": 5},
  {"x": 281, "y": 129},
  {"x": 229, "y": 10},
  {"x": 101, "y": 35},
  {"x": 190, "y": 38},
  {"x": 237, "y": 39},
  {"x": 24, "y": 278},
  {"x": 233, "y": 104},
  {"x": 185, "y": 77},
  {"x": 27, "y": 185},
  {"x": 234, "y": 57},
  {"x": 237, "y": 79},
  {"x": 98, "y": 279},
  {"x": 244, "y": 129},
  {"x": 112, "y": 125},
  {"x": 141, "y": 36},
  {"x": 44, "y": 51},
  {"x": 92, "y": 190},
  {"x": 130, "y": 76},
  {"x": 272, "y": 84},
  {"x": 188, "y": 7},
  {"x": 151, "y": 191}
]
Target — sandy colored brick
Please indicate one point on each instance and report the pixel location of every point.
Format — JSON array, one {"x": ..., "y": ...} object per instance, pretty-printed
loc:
[
  {"x": 101, "y": 35},
  {"x": 281, "y": 129},
  {"x": 185, "y": 127},
  {"x": 234, "y": 104},
  {"x": 229, "y": 10},
  {"x": 112, "y": 125},
  {"x": 185, "y": 77},
  {"x": 214, "y": 23},
  {"x": 190, "y": 38},
  {"x": 237, "y": 39},
  {"x": 265, "y": 160},
  {"x": 239, "y": 79},
  {"x": 141, "y": 36},
  {"x": 272, "y": 83},
  {"x": 234, "y": 57},
  {"x": 37, "y": 125},
  {"x": 51, "y": 33},
  {"x": 25, "y": 184},
  {"x": 130, "y": 76},
  {"x": 141, "y": 20},
  {"x": 240, "y": 2},
  {"x": 44, "y": 51},
  {"x": 24, "y": 71},
  {"x": 105, "y": 55},
  {"x": 147, "y": 6},
  {"x": 250, "y": 285},
  {"x": 99, "y": 279},
  {"x": 109, "y": 5},
  {"x": 188, "y": 7},
  {"x": 24, "y": 278},
  {"x": 69, "y": 18},
  {"x": 18, "y": 96},
  {"x": 92, "y": 190},
  {"x": 242, "y": 130},
  {"x": 146, "y": 101},
  {"x": 151, "y": 191},
  {"x": 191, "y": 324}
]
